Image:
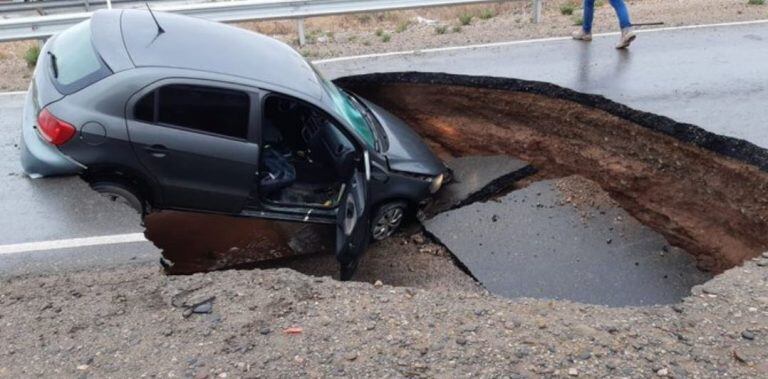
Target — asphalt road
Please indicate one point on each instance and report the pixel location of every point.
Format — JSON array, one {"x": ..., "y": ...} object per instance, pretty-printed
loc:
[{"x": 713, "y": 77}]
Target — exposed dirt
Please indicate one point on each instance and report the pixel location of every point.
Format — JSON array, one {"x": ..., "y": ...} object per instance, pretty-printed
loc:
[{"x": 712, "y": 206}]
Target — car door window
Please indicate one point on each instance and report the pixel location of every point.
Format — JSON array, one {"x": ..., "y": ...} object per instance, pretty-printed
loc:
[{"x": 213, "y": 110}]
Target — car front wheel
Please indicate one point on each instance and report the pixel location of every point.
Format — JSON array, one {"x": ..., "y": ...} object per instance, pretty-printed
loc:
[{"x": 387, "y": 219}]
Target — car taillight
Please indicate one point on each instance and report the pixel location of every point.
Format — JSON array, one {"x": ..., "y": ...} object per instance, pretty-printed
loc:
[{"x": 54, "y": 130}]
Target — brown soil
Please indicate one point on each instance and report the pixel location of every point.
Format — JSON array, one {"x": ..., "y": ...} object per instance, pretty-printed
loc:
[
  {"x": 198, "y": 242},
  {"x": 712, "y": 206}
]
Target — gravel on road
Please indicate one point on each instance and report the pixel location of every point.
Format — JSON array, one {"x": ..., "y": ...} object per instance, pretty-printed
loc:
[{"x": 135, "y": 322}]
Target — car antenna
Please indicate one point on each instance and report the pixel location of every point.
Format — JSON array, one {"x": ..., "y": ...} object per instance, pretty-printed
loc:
[{"x": 160, "y": 29}]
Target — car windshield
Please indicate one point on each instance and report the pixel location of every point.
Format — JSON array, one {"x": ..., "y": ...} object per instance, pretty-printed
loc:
[{"x": 347, "y": 108}]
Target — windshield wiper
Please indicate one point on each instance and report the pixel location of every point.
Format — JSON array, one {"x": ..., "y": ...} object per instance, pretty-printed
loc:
[{"x": 53, "y": 65}]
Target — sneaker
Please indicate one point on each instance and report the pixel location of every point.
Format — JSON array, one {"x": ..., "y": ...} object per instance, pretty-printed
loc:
[
  {"x": 627, "y": 36},
  {"x": 581, "y": 35}
]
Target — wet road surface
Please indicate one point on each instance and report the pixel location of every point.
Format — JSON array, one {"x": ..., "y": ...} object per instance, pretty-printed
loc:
[{"x": 712, "y": 77}]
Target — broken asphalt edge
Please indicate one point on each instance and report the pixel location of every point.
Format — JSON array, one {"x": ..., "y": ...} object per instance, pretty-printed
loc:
[
  {"x": 735, "y": 148},
  {"x": 497, "y": 187}
]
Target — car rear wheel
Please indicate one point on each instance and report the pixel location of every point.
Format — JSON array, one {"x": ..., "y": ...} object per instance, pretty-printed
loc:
[
  {"x": 121, "y": 193},
  {"x": 387, "y": 219}
]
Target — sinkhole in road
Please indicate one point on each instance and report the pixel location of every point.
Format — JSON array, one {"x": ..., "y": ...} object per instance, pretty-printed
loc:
[{"x": 707, "y": 195}]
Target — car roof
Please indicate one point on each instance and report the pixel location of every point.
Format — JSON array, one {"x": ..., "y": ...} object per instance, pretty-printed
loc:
[{"x": 196, "y": 44}]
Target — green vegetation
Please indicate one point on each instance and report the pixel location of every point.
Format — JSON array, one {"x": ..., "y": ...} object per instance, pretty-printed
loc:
[
  {"x": 756, "y": 2},
  {"x": 457, "y": 29},
  {"x": 578, "y": 21},
  {"x": 366, "y": 43},
  {"x": 379, "y": 32},
  {"x": 599, "y": 3},
  {"x": 487, "y": 13},
  {"x": 441, "y": 29},
  {"x": 403, "y": 26},
  {"x": 465, "y": 18},
  {"x": 567, "y": 9},
  {"x": 352, "y": 39},
  {"x": 386, "y": 37},
  {"x": 30, "y": 56}
]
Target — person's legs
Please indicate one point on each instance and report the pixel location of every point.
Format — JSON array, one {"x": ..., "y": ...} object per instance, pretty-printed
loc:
[
  {"x": 621, "y": 12},
  {"x": 589, "y": 15},
  {"x": 627, "y": 34},
  {"x": 585, "y": 33}
]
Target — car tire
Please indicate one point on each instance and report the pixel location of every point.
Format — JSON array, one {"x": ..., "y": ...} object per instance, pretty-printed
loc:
[
  {"x": 122, "y": 193},
  {"x": 387, "y": 219}
]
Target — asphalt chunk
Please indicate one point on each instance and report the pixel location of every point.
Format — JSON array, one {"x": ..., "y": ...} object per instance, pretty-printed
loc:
[
  {"x": 548, "y": 243},
  {"x": 477, "y": 178}
]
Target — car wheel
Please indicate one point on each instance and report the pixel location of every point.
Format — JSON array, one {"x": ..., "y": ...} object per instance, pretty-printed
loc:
[
  {"x": 387, "y": 219},
  {"x": 120, "y": 193}
]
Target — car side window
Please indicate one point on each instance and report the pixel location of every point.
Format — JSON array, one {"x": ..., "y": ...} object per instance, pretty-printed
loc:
[{"x": 208, "y": 109}]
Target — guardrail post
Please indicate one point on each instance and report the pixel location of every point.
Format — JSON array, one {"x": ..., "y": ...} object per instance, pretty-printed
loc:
[
  {"x": 536, "y": 11},
  {"x": 300, "y": 27}
]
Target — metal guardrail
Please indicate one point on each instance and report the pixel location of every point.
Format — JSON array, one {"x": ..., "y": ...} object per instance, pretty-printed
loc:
[
  {"x": 43, "y": 6},
  {"x": 41, "y": 27}
]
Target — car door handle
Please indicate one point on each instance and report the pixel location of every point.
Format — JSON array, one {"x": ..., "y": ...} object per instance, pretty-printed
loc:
[{"x": 157, "y": 151}]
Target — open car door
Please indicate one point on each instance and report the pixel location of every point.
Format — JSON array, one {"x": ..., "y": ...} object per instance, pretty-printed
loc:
[{"x": 353, "y": 219}]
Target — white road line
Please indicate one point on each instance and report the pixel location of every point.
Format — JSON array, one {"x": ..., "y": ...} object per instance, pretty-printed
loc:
[
  {"x": 527, "y": 41},
  {"x": 71, "y": 243},
  {"x": 13, "y": 93}
]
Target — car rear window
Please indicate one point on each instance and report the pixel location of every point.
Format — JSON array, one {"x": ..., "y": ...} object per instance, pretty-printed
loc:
[
  {"x": 213, "y": 110},
  {"x": 74, "y": 62}
]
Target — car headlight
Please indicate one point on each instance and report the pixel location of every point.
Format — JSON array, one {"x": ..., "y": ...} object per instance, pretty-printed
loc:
[{"x": 437, "y": 182}]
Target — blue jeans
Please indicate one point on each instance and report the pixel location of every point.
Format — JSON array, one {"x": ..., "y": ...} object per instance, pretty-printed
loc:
[{"x": 621, "y": 11}]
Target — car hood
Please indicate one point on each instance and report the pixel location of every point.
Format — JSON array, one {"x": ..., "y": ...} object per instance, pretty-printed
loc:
[{"x": 406, "y": 151}]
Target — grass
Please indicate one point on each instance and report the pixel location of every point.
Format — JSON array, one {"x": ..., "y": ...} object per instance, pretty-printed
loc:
[
  {"x": 756, "y": 2},
  {"x": 456, "y": 29},
  {"x": 465, "y": 19},
  {"x": 578, "y": 21},
  {"x": 441, "y": 29},
  {"x": 366, "y": 43},
  {"x": 567, "y": 9},
  {"x": 386, "y": 37},
  {"x": 599, "y": 3},
  {"x": 30, "y": 56},
  {"x": 486, "y": 14},
  {"x": 379, "y": 32},
  {"x": 403, "y": 26}
]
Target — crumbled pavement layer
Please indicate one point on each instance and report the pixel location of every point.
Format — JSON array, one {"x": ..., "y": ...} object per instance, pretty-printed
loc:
[
  {"x": 565, "y": 239},
  {"x": 123, "y": 323},
  {"x": 478, "y": 177}
]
